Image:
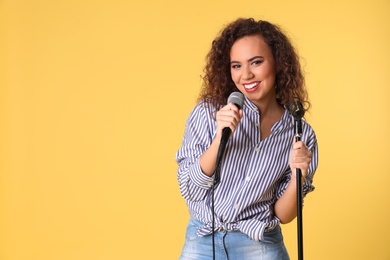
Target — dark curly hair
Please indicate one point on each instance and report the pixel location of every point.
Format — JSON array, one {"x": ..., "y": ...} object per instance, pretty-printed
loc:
[{"x": 289, "y": 81}]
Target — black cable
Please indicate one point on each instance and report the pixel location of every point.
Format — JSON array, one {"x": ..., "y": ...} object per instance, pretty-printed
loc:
[
  {"x": 213, "y": 221},
  {"x": 215, "y": 182},
  {"x": 236, "y": 98}
]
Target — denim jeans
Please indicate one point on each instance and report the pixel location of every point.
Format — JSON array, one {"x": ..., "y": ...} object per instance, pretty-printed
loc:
[{"x": 232, "y": 245}]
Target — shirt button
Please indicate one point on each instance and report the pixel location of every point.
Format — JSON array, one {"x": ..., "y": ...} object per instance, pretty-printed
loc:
[
  {"x": 247, "y": 178},
  {"x": 257, "y": 149},
  {"x": 235, "y": 206}
]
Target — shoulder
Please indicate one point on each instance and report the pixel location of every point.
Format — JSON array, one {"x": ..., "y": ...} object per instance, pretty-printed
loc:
[
  {"x": 204, "y": 107},
  {"x": 306, "y": 126},
  {"x": 308, "y": 133},
  {"x": 202, "y": 112}
]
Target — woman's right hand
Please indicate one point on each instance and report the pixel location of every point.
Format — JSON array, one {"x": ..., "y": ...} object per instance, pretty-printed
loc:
[{"x": 228, "y": 116}]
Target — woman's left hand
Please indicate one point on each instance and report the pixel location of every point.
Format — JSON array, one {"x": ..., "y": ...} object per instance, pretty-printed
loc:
[{"x": 300, "y": 157}]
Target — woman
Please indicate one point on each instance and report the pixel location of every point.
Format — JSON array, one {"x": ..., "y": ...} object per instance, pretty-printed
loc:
[{"x": 257, "y": 187}]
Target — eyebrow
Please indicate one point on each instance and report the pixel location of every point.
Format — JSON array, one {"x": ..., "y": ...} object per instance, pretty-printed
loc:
[{"x": 251, "y": 59}]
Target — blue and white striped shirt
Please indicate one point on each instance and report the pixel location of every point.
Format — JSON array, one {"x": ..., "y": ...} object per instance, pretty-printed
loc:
[{"x": 254, "y": 173}]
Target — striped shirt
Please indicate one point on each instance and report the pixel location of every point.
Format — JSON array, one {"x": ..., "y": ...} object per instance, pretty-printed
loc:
[{"x": 254, "y": 174}]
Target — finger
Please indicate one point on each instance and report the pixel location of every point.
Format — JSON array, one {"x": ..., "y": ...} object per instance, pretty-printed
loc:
[
  {"x": 228, "y": 118},
  {"x": 230, "y": 106},
  {"x": 302, "y": 154},
  {"x": 300, "y": 146}
]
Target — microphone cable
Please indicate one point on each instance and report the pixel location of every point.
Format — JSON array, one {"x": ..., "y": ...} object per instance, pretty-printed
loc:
[
  {"x": 215, "y": 182},
  {"x": 236, "y": 98}
]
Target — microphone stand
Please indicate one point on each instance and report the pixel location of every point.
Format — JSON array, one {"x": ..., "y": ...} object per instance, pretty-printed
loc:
[
  {"x": 297, "y": 111},
  {"x": 298, "y": 133}
]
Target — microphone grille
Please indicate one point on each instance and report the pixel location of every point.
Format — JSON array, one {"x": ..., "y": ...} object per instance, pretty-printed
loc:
[{"x": 236, "y": 98}]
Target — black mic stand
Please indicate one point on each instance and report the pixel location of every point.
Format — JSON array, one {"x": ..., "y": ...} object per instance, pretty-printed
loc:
[
  {"x": 297, "y": 111},
  {"x": 298, "y": 133}
]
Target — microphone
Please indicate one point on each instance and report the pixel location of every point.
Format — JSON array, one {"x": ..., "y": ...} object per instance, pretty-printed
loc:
[{"x": 237, "y": 98}]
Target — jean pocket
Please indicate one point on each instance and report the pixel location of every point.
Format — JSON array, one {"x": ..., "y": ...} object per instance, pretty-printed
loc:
[{"x": 273, "y": 237}]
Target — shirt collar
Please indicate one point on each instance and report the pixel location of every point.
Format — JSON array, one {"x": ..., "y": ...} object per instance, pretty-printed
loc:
[{"x": 286, "y": 121}]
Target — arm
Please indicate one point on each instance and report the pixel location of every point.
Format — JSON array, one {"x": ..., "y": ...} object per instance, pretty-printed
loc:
[
  {"x": 197, "y": 156},
  {"x": 286, "y": 205},
  {"x": 228, "y": 116}
]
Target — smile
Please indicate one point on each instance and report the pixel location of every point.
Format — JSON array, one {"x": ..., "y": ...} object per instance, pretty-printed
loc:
[{"x": 251, "y": 85}]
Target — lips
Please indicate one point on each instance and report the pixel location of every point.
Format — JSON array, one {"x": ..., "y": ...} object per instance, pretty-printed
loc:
[{"x": 252, "y": 86}]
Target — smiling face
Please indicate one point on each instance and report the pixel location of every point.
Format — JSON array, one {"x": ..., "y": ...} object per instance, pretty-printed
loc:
[{"x": 252, "y": 68}]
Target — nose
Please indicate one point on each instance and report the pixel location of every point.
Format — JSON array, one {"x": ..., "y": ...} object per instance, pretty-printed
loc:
[{"x": 247, "y": 73}]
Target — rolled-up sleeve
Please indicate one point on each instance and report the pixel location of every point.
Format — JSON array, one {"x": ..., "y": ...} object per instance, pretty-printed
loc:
[
  {"x": 312, "y": 145},
  {"x": 310, "y": 140},
  {"x": 198, "y": 135}
]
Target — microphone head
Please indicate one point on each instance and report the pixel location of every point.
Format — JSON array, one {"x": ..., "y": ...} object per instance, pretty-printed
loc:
[
  {"x": 236, "y": 98},
  {"x": 296, "y": 109}
]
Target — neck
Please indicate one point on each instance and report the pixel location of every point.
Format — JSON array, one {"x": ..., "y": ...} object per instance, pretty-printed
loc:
[{"x": 270, "y": 108}]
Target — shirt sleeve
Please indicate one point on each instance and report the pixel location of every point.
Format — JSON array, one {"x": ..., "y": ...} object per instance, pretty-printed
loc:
[
  {"x": 311, "y": 142},
  {"x": 198, "y": 135}
]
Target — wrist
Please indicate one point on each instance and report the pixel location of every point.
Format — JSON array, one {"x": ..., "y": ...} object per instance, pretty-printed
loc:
[{"x": 294, "y": 178}]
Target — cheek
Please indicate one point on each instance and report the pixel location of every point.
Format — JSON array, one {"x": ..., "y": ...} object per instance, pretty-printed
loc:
[
  {"x": 236, "y": 79},
  {"x": 234, "y": 76},
  {"x": 270, "y": 70}
]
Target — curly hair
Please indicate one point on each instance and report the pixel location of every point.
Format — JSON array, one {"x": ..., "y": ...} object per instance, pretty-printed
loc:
[{"x": 289, "y": 80}]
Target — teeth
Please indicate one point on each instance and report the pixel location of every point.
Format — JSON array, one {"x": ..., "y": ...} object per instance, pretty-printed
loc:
[{"x": 250, "y": 86}]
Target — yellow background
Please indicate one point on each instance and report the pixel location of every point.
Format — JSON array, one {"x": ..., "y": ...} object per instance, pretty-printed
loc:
[{"x": 94, "y": 96}]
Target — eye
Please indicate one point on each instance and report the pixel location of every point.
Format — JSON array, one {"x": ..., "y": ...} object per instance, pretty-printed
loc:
[
  {"x": 257, "y": 62},
  {"x": 236, "y": 66}
]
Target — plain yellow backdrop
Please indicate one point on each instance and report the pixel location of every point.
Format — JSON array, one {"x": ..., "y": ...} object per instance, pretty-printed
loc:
[{"x": 94, "y": 95}]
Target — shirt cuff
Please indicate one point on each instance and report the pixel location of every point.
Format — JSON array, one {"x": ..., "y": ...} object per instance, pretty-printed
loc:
[{"x": 199, "y": 178}]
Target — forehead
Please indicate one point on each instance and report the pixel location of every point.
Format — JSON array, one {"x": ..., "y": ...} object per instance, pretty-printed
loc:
[{"x": 250, "y": 46}]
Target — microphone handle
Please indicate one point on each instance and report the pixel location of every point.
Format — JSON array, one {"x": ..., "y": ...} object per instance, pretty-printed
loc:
[{"x": 224, "y": 138}]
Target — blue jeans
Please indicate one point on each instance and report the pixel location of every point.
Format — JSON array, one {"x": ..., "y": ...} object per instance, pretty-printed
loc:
[{"x": 233, "y": 245}]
